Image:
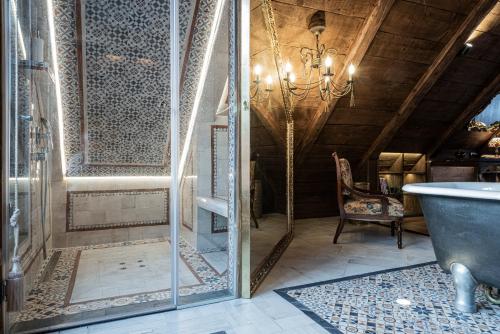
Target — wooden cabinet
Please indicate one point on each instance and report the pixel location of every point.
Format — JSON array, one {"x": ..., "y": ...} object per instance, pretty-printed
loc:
[
  {"x": 489, "y": 170},
  {"x": 482, "y": 170},
  {"x": 397, "y": 169}
]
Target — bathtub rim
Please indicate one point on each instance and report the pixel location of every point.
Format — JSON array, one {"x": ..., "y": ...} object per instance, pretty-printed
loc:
[{"x": 452, "y": 189}]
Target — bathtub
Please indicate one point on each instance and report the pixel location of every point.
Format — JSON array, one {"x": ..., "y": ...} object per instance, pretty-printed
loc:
[{"x": 463, "y": 219}]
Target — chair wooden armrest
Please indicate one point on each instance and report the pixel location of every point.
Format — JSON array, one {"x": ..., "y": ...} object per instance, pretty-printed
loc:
[
  {"x": 369, "y": 191},
  {"x": 383, "y": 198}
]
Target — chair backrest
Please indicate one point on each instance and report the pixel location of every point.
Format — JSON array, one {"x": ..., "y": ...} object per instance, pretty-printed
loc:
[
  {"x": 340, "y": 177},
  {"x": 345, "y": 173}
]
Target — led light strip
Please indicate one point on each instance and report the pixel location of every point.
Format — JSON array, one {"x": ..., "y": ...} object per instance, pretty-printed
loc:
[
  {"x": 19, "y": 31},
  {"x": 124, "y": 178},
  {"x": 55, "y": 67},
  {"x": 127, "y": 178},
  {"x": 201, "y": 84}
]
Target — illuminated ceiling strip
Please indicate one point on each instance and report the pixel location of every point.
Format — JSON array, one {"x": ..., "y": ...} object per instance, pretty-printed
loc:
[
  {"x": 19, "y": 31},
  {"x": 201, "y": 84},
  {"x": 222, "y": 108},
  {"x": 127, "y": 178},
  {"x": 55, "y": 68}
]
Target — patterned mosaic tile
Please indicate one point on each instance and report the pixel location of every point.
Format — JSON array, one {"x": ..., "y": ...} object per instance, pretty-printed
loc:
[
  {"x": 126, "y": 75},
  {"x": 125, "y": 103},
  {"x": 367, "y": 303},
  {"x": 52, "y": 292}
]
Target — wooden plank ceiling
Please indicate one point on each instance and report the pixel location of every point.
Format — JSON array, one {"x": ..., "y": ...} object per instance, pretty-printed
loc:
[{"x": 402, "y": 53}]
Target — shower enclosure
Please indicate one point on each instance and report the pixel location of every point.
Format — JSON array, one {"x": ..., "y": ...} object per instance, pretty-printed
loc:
[{"x": 122, "y": 175}]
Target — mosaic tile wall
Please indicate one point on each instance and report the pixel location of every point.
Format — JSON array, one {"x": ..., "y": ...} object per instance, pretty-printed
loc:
[
  {"x": 125, "y": 76},
  {"x": 125, "y": 116}
]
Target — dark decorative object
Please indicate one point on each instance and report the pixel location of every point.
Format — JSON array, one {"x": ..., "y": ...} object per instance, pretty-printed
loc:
[{"x": 460, "y": 155}]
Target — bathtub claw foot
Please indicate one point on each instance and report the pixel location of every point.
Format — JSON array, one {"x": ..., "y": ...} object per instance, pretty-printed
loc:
[{"x": 465, "y": 286}]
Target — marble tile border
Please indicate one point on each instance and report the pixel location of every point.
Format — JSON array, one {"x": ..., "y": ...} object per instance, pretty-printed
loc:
[
  {"x": 216, "y": 226},
  {"x": 214, "y": 130},
  {"x": 69, "y": 210}
]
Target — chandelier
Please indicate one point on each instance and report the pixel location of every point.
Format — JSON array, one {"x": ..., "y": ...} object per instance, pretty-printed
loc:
[
  {"x": 258, "y": 93},
  {"x": 317, "y": 71}
]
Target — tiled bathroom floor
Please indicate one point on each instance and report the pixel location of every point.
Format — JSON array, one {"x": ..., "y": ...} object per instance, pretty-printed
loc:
[
  {"x": 90, "y": 278},
  {"x": 120, "y": 271},
  {"x": 311, "y": 257}
]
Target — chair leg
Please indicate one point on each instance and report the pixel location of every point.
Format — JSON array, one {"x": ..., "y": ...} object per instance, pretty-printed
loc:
[
  {"x": 400, "y": 233},
  {"x": 339, "y": 230},
  {"x": 252, "y": 214},
  {"x": 393, "y": 228}
]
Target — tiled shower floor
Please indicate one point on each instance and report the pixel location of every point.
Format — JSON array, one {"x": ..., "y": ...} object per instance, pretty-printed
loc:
[{"x": 78, "y": 279}]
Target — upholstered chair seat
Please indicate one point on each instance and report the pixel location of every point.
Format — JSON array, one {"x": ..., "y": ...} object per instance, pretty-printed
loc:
[{"x": 371, "y": 206}]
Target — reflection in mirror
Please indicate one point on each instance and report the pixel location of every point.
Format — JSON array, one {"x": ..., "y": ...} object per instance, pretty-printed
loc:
[
  {"x": 204, "y": 237},
  {"x": 267, "y": 196},
  {"x": 271, "y": 186}
]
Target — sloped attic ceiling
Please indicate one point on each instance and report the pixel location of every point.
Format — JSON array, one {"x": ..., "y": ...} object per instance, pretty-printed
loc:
[
  {"x": 114, "y": 70},
  {"x": 467, "y": 77},
  {"x": 411, "y": 80}
]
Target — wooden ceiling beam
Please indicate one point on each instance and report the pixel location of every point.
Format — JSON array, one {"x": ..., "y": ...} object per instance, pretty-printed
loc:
[
  {"x": 429, "y": 78},
  {"x": 477, "y": 105},
  {"x": 356, "y": 53}
]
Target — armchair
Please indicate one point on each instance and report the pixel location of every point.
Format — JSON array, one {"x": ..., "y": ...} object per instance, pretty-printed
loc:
[{"x": 358, "y": 204}]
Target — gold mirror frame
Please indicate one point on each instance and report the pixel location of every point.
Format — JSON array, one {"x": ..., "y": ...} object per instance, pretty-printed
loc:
[{"x": 259, "y": 274}]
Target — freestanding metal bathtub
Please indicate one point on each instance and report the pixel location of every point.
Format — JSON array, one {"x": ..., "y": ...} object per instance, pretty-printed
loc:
[{"x": 463, "y": 219}]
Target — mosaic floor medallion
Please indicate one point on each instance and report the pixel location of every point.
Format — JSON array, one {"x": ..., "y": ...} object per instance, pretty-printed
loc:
[
  {"x": 62, "y": 279},
  {"x": 410, "y": 300}
]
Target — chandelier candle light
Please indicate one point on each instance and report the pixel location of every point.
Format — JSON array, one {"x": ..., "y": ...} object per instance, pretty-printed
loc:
[
  {"x": 318, "y": 71},
  {"x": 258, "y": 93}
]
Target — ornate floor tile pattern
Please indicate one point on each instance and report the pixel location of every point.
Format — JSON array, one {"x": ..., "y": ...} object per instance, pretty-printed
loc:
[
  {"x": 52, "y": 293},
  {"x": 367, "y": 303}
]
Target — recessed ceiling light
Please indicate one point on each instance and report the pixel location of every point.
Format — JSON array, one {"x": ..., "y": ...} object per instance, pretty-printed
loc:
[{"x": 466, "y": 48}]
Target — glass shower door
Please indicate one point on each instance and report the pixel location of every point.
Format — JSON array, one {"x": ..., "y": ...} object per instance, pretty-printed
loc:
[{"x": 206, "y": 223}]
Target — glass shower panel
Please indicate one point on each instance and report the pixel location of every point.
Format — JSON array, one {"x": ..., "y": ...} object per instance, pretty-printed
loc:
[
  {"x": 204, "y": 264},
  {"x": 89, "y": 160},
  {"x": 21, "y": 115}
]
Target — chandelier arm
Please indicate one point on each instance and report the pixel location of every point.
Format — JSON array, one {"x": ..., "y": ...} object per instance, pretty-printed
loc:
[
  {"x": 257, "y": 90},
  {"x": 341, "y": 86},
  {"x": 340, "y": 94},
  {"x": 298, "y": 85}
]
